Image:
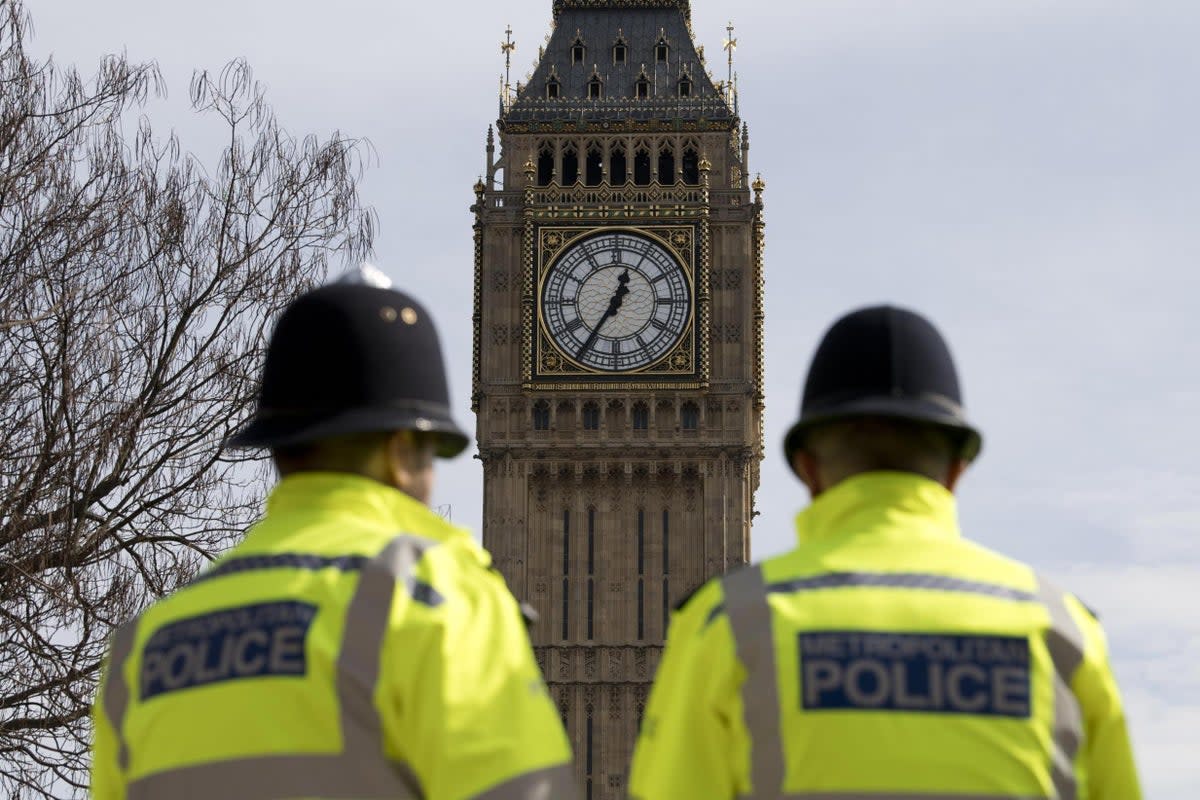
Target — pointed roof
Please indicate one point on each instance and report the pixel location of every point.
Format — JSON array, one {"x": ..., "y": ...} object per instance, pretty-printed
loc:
[{"x": 640, "y": 25}]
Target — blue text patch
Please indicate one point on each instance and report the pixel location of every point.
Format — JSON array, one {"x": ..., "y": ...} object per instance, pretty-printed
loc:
[
  {"x": 244, "y": 642},
  {"x": 933, "y": 673}
]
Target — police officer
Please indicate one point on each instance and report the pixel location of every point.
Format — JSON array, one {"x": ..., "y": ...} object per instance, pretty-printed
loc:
[
  {"x": 885, "y": 657},
  {"x": 355, "y": 644}
]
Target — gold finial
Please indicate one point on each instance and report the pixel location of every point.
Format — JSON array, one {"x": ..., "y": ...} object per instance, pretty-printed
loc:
[
  {"x": 758, "y": 186},
  {"x": 730, "y": 46},
  {"x": 507, "y": 47},
  {"x": 479, "y": 187},
  {"x": 705, "y": 164},
  {"x": 530, "y": 169}
]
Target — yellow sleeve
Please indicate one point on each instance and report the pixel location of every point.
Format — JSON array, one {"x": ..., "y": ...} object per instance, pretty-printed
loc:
[
  {"x": 107, "y": 781},
  {"x": 693, "y": 742},
  {"x": 480, "y": 716},
  {"x": 1106, "y": 759}
]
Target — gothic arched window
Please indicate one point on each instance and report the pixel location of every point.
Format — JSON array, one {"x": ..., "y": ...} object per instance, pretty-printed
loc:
[
  {"x": 595, "y": 88},
  {"x": 689, "y": 416},
  {"x": 617, "y": 167},
  {"x": 662, "y": 50},
  {"x": 591, "y": 416},
  {"x": 570, "y": 166},
  {"x": 620, "y": 50},
  {"x": 641, "y": 416},
  {"x": 641, "y": 168},
  {"x": 691, "y": 167},
  {"x": 594, "y": 166},
  {"x": 642, "y": 87},
  {"x": 541, "y": 416},
  {"x": 545, "y": 166},
  {"x": 578, "y": 51},
  {"x": 666, "y": 166},
  {"x": 685, "y": 86}
]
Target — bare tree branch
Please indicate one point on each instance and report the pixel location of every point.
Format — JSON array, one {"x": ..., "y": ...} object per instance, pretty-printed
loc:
[{"x": 136, "y": 290}]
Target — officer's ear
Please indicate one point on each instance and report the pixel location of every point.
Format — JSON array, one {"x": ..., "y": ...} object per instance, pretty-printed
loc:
[
  {"x": 410, "y": 457},
  {"x": 805, "y": 465},
  {"x": 955, "y": 471}
]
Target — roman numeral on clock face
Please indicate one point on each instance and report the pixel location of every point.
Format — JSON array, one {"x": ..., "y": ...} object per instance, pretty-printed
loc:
[{"x": 574, "y": 325}]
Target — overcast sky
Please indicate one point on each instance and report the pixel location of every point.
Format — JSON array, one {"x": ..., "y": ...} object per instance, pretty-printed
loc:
[{"x": 1023, "y": 171}]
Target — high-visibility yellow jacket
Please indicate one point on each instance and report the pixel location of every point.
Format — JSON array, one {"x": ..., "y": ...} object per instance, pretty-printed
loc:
[
  {"x": 885, "y": 657},
  {"x": 354, "y": 645}
]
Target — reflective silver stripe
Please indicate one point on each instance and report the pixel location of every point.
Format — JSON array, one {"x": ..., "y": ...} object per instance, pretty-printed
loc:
[
  {"x": 552, "y": 783},
  {"x": 892, "y": 580},
  {"x": 1065, "y": 642},
  {"x": 901, "y": 580},
  {"x": 273, "y": 778},
  {"x": 116, "y": 688},
  {"x": 362, "y": 642},
  {"x": 361, "y": 771},
  {"x": 750, "y": 618}
]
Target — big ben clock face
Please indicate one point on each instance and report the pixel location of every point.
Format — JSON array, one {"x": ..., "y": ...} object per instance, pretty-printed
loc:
[{"x": 616, "y": 301}]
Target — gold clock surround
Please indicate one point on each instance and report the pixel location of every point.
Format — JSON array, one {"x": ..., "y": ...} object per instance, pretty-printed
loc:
[{"x": 684, "y": 366}]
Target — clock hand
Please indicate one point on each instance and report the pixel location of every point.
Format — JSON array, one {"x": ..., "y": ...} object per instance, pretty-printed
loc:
[{"x": 614, "y": 305}]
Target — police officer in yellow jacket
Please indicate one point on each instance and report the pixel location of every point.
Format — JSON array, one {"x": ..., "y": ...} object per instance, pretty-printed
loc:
[
  {"x": 885, "y": 657},
  {"x": 355, "y": 644}
]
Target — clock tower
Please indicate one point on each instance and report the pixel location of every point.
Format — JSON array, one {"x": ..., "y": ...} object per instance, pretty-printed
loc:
[{"x": 618, "y": 325}]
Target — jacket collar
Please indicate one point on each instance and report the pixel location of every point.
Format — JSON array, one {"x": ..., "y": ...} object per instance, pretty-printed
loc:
[
  {"x": 878, "y": 501},
  {"x": 372, "y": 502}
]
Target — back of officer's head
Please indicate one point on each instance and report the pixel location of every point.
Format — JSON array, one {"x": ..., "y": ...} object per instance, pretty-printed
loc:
[
  {"x": 853, "y": 446},
  {"x": 354, "y": 382},
  {"x": 882, "y": 393}
]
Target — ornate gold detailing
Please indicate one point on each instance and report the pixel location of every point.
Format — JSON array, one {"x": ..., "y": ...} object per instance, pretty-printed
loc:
[
  {"x": 625, "y": 125},
  {"x": 617, "y": 196},
  {"x": 549, "y": 368}
]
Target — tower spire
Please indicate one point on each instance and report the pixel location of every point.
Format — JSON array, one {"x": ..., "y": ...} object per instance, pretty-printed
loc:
[
  {"x": 730, "y": 46},
  {"x": 507, "y": 47}
]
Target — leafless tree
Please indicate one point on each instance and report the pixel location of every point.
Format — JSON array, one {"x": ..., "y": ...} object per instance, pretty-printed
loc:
[{"x": 136, "y": 288}]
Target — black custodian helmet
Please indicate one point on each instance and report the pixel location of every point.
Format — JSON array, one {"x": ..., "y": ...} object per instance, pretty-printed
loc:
[
  {"x": 352, "y": 358},
  {"x": 884, "y": 362}
]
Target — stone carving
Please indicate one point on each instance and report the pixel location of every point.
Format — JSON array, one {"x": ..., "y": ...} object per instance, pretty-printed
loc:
[
  {"x": 616, "y": 664},
  {"x": 639, "y": 663},
  {"x": 728, "y": 333},
  {"x": 564, "y": 664},
  {"x": 589, "y": 663}
]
